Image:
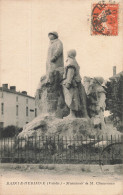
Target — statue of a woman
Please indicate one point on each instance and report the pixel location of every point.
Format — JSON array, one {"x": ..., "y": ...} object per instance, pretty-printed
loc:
[{"x": 74, "y": 92}]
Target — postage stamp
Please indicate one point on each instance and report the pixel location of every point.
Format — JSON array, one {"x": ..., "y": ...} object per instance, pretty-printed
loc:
[{"x": 104, "y": 19}]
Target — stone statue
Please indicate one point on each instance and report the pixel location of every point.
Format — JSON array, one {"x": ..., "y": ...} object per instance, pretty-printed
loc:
[
  {"x": 49, "y": 94},
  {"x": 96, "y": 101},
  {"x": 74, "y": 92},
  {"x": 86, "y": 83},
  {"x": 60, "y": 95},
  {"x": 55, "y": 54}
]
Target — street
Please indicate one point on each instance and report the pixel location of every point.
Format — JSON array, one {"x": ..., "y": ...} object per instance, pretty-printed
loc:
[{"x": 60, "y": 179}]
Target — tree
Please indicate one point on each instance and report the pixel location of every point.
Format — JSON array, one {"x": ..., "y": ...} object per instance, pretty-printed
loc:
[
  {"x": 114, "y": 101},
  {"x": 9, "y": 131}
]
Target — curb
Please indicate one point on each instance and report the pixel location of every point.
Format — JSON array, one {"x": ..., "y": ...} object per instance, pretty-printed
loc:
[{"x": 118, "y": 168}]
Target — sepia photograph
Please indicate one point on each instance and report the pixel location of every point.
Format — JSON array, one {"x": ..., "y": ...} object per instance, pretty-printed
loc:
[{"x": 61, "y": 97}]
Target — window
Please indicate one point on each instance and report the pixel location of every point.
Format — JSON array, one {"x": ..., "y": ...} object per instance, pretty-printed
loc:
[
  {"x": 16, "y": 98},
  {"x": 35, "y": 112},
  {"x": 17, "y": 109},
  {"x": 1, "y": 94},
  {"x": 26, "y": 111},
  {"x": 27, "y": 101},
  {"x": 1, "y": 124},
  {"x": 2, "y": 108},
  {"x": 31, "y": 110}
]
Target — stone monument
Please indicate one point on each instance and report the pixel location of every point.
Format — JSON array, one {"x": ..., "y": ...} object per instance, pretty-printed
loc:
[
  {"x": 64, "y": 106},
  {"x": 60, "y": 96}
]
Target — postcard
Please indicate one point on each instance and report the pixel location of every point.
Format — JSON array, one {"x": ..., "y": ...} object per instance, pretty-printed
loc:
[{"x": 61, "y": 81}]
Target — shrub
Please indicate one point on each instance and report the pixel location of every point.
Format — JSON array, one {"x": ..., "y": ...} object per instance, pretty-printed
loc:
[{"x": 9, "y": 131}]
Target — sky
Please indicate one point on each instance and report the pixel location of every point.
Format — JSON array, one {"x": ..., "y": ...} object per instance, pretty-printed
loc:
[{"x": 24, "y": 27}]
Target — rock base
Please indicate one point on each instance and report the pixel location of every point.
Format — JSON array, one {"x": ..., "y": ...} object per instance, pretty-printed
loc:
[
  {"x": 49, "y": 95},
  {"x": 49, "y": 125}
]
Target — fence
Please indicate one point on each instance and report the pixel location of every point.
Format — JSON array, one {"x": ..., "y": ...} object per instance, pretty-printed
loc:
[{"x": 108, "y": 150}]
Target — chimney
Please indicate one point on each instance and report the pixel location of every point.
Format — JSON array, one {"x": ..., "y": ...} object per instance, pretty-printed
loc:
[
  {"x": 114, "y": 70},
  {"x": 13, "y": 88},
  {"x": 24, "y": 92},
  {"x": 5, "y": 86}
]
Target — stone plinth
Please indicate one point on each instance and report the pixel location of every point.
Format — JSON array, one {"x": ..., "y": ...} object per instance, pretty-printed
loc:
[
  {"x": 51, "y": 126},
  {"x": 49, "y": 95}
]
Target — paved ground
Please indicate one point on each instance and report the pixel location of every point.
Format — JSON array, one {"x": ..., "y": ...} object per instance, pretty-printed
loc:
[{"x": 60, "y": 179}]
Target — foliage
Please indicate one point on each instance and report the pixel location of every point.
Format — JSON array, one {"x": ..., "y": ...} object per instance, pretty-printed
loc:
[
  {"x": 114, "y": 101},
  {"x": 9, "y": 131}
]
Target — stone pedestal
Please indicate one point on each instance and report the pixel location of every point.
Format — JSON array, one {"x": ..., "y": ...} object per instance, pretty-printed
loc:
[
  {"x": 49, "y": 95},
  {"x": 51, "y": 126}
]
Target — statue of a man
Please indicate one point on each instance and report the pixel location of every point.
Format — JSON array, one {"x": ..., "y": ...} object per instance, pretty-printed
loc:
[
  {"x": 74, "y": 92},
  {"x": 55, "y": 54}
]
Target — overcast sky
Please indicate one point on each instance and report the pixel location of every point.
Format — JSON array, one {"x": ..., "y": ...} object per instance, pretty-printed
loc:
[{"x": 24, "y": 25}]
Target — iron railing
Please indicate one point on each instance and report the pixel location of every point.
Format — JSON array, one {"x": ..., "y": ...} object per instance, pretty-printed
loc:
[{"x": 96, "y": 150}]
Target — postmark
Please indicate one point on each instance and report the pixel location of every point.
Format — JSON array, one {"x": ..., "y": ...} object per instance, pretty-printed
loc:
[{"x": 105, "y": 19}]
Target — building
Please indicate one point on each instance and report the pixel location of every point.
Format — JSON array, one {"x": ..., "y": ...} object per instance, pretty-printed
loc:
[
  {"x": 115, "y": 75},
  {"x": 16, "y": 108}
]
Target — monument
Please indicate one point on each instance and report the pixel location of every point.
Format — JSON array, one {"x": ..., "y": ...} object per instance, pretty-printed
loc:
[{"x": 64, "y": 106}]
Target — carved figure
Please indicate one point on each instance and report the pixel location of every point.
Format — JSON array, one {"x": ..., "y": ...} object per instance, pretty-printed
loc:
[
  {"x": 74, "y": 92},
  {"x": 49, "y": 94},
  {"x": 55, "y": 54},
  {"x": 86, "y": 83},
  {"x": 96, "y": 101}
]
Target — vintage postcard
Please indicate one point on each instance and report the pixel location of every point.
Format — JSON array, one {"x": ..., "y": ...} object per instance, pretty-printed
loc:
[{"x": 61, "y": 97}]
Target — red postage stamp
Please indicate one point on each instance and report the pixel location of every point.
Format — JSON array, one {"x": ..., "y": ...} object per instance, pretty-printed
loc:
[{"x": 105, "y": 19}]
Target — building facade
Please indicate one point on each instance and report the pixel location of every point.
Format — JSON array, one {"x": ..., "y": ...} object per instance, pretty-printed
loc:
[{"x": 16, "y": 108}]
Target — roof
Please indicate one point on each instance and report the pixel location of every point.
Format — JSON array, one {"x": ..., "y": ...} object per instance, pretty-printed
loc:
[
  {"x": 116, "y": 76},
  {"x": 15, "y": 92}
]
